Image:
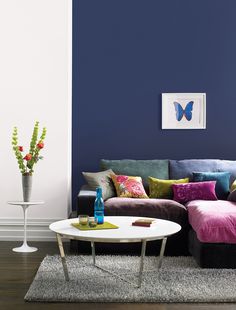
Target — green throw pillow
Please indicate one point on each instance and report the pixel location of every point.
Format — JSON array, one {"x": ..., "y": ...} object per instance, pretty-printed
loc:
[
  {"x": 163, "y": 188},
  {"x": 101, "y": 179}
]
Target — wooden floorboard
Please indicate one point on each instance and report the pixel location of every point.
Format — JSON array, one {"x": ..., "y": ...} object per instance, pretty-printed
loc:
[{"x": 17, "y": 271}]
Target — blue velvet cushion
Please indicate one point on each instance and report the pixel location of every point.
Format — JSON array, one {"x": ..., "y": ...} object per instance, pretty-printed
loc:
[{"x": 221, "y": 178}]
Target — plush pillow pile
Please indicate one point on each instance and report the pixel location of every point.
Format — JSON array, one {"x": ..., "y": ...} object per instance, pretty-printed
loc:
[
  {"x": 221, "y": 178},
  {"x": 101, "y": 179},
  {"x": 162, "y": 189},
  {"x": 194, "y": 191},
  {"x": 129, "y": 186}
]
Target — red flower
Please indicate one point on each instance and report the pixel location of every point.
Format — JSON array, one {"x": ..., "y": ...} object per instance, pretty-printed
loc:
[
  {"x": 40, "y": 145},
  {"x": 20, "y": 148},
  {"x": 28, "y": 157}
]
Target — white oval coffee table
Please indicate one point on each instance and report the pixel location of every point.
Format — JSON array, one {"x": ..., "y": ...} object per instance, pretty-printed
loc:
[{"x": 126, "y": 233}]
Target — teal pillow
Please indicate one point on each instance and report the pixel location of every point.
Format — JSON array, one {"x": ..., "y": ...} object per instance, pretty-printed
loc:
[{"x": 221, "y": 178}]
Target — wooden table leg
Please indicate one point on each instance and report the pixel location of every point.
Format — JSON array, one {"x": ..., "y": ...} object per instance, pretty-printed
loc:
[
  {"x": 63, "y": 259},
  {"x": 163, "y": 245},
  {"x": 141, "y": 263},
  {"x": 93, "y": 251}
]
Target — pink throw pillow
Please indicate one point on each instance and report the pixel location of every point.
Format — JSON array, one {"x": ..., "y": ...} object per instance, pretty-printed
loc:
[{"x": 194, "y": 191}]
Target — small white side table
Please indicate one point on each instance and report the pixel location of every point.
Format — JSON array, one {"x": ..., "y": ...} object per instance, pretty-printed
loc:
[{"x": 25, "y": 248}]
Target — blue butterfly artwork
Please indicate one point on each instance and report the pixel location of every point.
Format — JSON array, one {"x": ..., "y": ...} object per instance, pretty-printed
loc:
[{"x": 180, "y": 112}]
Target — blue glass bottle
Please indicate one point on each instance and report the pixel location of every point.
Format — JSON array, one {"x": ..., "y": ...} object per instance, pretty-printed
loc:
[{"x": 99, "y": 206}]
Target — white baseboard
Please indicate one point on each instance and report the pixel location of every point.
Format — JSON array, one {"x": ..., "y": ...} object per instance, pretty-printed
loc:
[{"x": 37, "y": 229}]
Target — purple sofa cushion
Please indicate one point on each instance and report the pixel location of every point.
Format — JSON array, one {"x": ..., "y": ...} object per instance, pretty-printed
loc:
[
  {"x": 197, "y": 190},
  {"x": 221, "y": 178},
  {"x": 158, "y": 208},
  {"x": 213, "y": 221}
]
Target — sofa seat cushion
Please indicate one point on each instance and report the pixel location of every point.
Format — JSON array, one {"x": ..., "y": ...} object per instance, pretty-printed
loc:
[
  {"x": 157, "y": 208},
  {"x": 213, "y": 221}
]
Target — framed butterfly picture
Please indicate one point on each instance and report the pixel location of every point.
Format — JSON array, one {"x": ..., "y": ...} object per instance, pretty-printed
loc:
[{"x": 183, "y": 111}]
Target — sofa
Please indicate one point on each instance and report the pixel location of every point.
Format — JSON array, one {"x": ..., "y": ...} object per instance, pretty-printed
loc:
[{"x": 208, "y": 254}]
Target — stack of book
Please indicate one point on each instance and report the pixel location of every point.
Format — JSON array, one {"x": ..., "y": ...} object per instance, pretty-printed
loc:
[{"x": 143, "y": 222}]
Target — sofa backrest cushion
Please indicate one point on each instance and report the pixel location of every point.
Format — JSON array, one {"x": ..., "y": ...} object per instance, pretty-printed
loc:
[
  {"x": 157, "y": 168},
  {"x": 160, "y": 208},
  {"x": 180, "y": 169},
  {"x": 230, "y": 166},
  {"x": 184, "y": 168}
]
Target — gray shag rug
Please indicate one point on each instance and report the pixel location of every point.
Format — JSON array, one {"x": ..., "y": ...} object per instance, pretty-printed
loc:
[{"x": 179, "y": 280}]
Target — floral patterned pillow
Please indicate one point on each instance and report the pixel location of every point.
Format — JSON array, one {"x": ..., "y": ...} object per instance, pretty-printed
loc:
[{"x": 129, "y": 186}]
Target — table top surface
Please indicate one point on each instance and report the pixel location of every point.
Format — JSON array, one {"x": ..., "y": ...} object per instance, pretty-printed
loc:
[
  {"x": 125, "y": 233},
  {"x": 24, "y": 203}
]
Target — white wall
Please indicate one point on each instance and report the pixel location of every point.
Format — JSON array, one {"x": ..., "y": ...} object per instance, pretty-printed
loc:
[{"x": 35, "y": 84}]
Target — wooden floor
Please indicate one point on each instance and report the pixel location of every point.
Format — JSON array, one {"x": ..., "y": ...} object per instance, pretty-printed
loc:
[{"x": 17, "y": 271}]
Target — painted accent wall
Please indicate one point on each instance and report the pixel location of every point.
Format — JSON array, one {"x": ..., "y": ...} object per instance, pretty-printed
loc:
[{"x": 125, "y": 54}]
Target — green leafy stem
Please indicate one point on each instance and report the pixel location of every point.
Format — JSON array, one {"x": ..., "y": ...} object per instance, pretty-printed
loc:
[{"x": 26, "y": 164}]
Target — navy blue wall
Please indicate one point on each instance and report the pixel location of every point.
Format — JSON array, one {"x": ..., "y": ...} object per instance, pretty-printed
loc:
[{"x": 126, "y": 53}]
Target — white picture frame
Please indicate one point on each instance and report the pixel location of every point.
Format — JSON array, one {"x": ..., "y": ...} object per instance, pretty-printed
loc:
[{"x": 183, "y": 110}]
